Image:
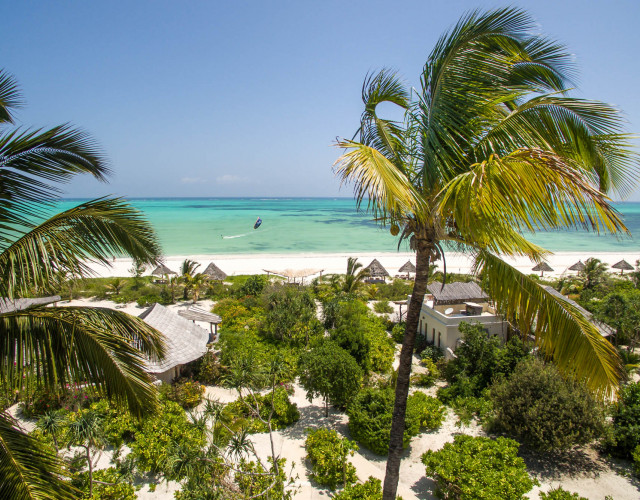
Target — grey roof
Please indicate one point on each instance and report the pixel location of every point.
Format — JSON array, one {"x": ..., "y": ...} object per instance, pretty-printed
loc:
[
  {"x": 162, "y": 270},
  {"x": 195, "y": 313},
  {"x": 457, "y": 293},
  {"x": 543, "y": 266},
  {"x": 578, "y": 266},
  {"x": 623, "y": 265},
  {"x": 605, "y": 330},
  {"x": 12, "y": 305},
  {"x": 214, "y": 272},
  {"x": 185, "y": 341},
  {"x": 407, "y": 268},
  {"x": 376, "y": 270}
]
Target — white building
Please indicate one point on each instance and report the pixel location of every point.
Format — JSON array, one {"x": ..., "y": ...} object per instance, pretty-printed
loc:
[{"x": 445, "y": 308}]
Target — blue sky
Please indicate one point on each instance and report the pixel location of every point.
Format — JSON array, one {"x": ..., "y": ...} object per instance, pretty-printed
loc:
[{"x": 245, "y": 98}]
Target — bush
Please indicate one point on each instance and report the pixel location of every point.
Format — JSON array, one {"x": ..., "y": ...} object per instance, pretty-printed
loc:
[
  {"x": 253, "y": 285},
  {"x": 331, "y": 372},
  {"x": 383, "y": 307},
  {"x": 118, "y": 425},
  {"x": 284, "y": 411},
  {"x": 371, "y": 411},
  {"x": 328, "y": 454},
  {"x": 636, "y": 460},
  {"x": 208, "y": 368},
  {"x": 478, "y": 467},
  {"x": 187, "y": 393},
  {"x": 537, "y": 406},
  {"x": 397, "y": 332},
  {"x": 149, "y": 300},
  {"x": 116, "y": 488},
  {"x": 370, "y": 490},
  {"x": 429, "y": 378},
  {"x": 432, "y": 352},
  {"x": 466, "y": 408},
  {"x": 626, "y": 422},
  {"x": 44, "y": 400},
  {"x": 560, "y": 494}
]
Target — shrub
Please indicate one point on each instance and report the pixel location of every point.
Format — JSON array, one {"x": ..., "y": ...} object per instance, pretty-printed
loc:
[
  {"x": 478, "y": 467},
  {"x": 69, "y": 398},
  {"x": 328, "y": 454},
  {"x": 397, "y": 332},
  {"x": 254, "y": 480},
  {"x": 636, "y": 460},
  {"x": 149, "y": 300},
  {"x": 466, "y": 408},
  {"x": 537, "y": 406},
  {"x": 284, "y": 411},
  {"x": 291, "y": 316},
  {"x": 108, "y": 485},
  {"x": 187, "y": 393},
  {"x": 383, "y": 307},
  {"x": 370, "y": 415},
  {"x": 369, "y": 490},
  {"x": 331, "y": 372},
  {"x": 560, "y": 494},
  {"x": 253, "y": 285},
  {"x": 432, "y": 352},
  {"x": 426, "y": 410},
  {"x": 429, "y": 378},
  {"x": 118, "y": 425},
  {"x": 208, "y": 368},
  {"x": 626, "y": 422}
]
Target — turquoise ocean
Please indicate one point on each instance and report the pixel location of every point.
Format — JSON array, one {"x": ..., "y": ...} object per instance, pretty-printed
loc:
[{"x": 210, "y": 226}]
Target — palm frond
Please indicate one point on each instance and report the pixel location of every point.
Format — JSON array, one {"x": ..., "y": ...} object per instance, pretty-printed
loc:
[
  {"x": 29, "y": 470},
  {"x": 561, "y": 331},
  {"x": 387, "y": 190},
  {"x": 91, "y": 232},
  {"x": 102, "y": 347},
  {"x": 9, "y": 96}
]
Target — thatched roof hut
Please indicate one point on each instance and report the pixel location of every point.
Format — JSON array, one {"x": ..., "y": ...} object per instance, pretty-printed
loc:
[
  {"x": 376, "y": 270},
  {"x": 578, "y": 266},
  {"x": 408, "y": 268},
  {"x": 214, "y": 272},
  {"x": 185, "y": 341},
  {"x": 456, "y": 293},
  {"x": 162, "y": 270},
  {"x": 12, "y": 305},
  {"x": 605, "y": 330},
  {"x": 623, "y": 265},
  {"x": 542, "y": 267}
]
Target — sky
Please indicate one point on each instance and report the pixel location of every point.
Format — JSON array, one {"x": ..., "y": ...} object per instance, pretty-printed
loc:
[{"x": 246, "y": 98}]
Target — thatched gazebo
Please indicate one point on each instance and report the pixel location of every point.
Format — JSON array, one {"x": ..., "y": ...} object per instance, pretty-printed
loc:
[
  {"x": 407, "y": 268},
  {"x": 578, "y": 266},
  {"x": 295, "y": 274},
  {"x": 162, "y": 270},
  {"x": 214, "y": 272},
  {"x": 376, "y": 271},
  {"x": 542, "y": 267},
  {"x": 623, "y": 265}
]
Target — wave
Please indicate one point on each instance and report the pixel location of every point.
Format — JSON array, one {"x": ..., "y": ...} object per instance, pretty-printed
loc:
[{"x": 232, "y": 237}]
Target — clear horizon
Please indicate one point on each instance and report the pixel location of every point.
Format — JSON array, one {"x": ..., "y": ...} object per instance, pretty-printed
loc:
[{"x": 245, "y": 99}]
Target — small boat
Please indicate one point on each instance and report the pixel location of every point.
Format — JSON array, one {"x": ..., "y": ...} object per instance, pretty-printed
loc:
[{"x": 257, "y": 224}]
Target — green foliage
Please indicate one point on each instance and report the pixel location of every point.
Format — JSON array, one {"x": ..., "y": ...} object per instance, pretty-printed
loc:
[
  {"x": 363, "y": 335},
  {"x": 370, "y": 415},
  {"x": 253, "y": 285},
  {"x": 328, "y": 454},
  {"x": 434, "y": 353},
  {"x": 231, "y": 311},
  {"x": 252, "y": 481},
  {"x": 626, "y": 422},
  {"x": 329, "y": 371},
  {"x": 383, "y": 307},
  {"x": 540, "y": 408},
  {"x": 69, "y": 398},
  {"x": 398, "y": 289},
  {"x": 478, "y": 468},
  {"x": 187, "y": 393},
  {"x": 117, "y": 488},
  {"x": 249, "y": 408},
  {"x": 208, "y": 368},
  {"x": 397, "y": 332},
  {"x": 621, "y": 311},
  {"x": 149, "y": 300},
  {"x": 466, "y": 408},
  {"x": 636, "y": 460},
  {"x": 119, "y": 426},
  {"x": 369, "y": 490},
  {"x": 160, "y": 434},
  {"x": 291, "y": 316},
  {"x": 560, "y": 494},
  {"x": 429, "y": 378}
]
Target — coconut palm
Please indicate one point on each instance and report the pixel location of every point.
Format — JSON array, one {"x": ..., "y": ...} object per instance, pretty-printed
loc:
[
  {"x": 354, "y": 278},
  {"x": 594, "y": 273},
  {"x": 116, "y": 285},
  {"x": 491, "y": 145},
  {"x": 54, "y": 346},
  {"x": 195, "y": 284}
]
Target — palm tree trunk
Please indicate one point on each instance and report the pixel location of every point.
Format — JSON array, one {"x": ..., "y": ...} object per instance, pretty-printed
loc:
[{"x": 404, "y": 370}]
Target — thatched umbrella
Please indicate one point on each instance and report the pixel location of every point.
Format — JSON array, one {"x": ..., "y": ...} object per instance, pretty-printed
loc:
[
  {"x": 376, "y": 270},
  {"x": 542, "y": 267},
  {"x": 623, "y": 265},
  {"x": 214, "y": 272},
  {"x": 162, "y": 270},
  {"x": 407, "y": 268},
  {"x": 578, "y": 266}
]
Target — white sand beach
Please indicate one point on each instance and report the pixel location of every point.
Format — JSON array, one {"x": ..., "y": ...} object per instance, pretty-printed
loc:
[{"x": 331, "y": 263}]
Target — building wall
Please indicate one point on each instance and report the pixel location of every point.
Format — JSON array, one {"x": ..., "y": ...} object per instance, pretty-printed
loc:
[
  {"x": 443, "y": 331},
  {"x": 168, "y": 376}
]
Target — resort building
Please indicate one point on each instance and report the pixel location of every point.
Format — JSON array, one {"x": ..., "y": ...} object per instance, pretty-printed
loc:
[{"x": 445, "y": 308}]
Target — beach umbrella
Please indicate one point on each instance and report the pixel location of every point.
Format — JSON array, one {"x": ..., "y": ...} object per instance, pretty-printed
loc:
[
  {"x": 214, "y": 272},
  {"x": 376, "y": 270},
  {"x": 578, "y": 266},
  {"x": 407, "y": 268},
  {"x": 542, "y": 267},
  {"x": 162, "y": 270},
  {"x": 623, "y": 265}
]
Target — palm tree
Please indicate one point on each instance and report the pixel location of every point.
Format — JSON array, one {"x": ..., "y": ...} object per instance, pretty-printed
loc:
[
  {"x": 491, "y": 146},
  {"x": 85, "y": 430},
  {"x": 187, "y": 271},
  {"x": 594, "y": 273},
  {"x": 116, "y": 285},
  {"x": 353, "y": 279},
  {"x": 54, "y": 346},
  {"x": 196, "y": 284}
]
